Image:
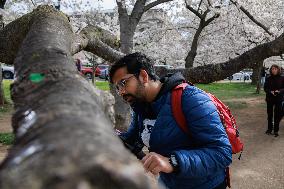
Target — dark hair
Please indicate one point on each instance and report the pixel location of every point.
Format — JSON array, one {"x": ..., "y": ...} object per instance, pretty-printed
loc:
[
  {"x": 134, "y": 63},
  {"x": 277, "y": 67}
]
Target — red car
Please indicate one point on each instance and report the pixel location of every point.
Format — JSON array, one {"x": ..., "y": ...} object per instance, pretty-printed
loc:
[{"x": 88, "y": 71}]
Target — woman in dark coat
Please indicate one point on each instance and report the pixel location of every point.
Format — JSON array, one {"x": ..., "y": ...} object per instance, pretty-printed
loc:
[{"x": 274, "y": 89}]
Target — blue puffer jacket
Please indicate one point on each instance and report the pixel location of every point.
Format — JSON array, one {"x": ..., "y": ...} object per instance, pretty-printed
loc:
[{"x": 203, "y": 157}]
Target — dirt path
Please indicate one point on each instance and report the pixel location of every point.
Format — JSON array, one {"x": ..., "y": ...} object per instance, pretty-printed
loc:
[
  {"x": 5, "y": 127},
  {"x": 262, "y": 162}
]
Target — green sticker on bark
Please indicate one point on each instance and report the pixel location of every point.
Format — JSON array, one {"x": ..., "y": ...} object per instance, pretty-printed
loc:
[{"x": 36, "y": 77}]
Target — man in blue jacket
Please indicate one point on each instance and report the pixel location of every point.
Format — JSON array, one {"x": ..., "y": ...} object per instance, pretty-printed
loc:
[{"x": 183, "y": 162}]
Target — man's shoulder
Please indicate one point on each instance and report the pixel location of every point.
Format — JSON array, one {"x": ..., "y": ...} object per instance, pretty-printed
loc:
[{"x": 191, "y": 91}]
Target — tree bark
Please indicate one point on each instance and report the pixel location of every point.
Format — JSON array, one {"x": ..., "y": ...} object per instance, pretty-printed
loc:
[
  {"x": 256, "y": 72},
  {"x": 2, "y": 97},
  {"x": 193, "y": 50},
  {"x": 63, "y": 137},
  {"x": 258, "y": 83}
]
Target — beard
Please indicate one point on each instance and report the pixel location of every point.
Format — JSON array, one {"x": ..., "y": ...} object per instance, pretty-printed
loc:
[{"x": 138, "y": 96}]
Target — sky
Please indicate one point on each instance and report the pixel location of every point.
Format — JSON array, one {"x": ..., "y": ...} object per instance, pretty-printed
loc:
[{"x": 108, "y": 4}]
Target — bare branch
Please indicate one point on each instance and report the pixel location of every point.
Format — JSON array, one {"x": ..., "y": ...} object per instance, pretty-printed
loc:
[
  {"x": 246, "y": 12},
  {"x": 33, "y": 3},
  {"x": 209, "y": 3},
  {"x": 199, "y": 5},
  {"x": 193, "y": 10},
  {"x": 155, "y": 3},
  {"x": 207, "y": 22}
]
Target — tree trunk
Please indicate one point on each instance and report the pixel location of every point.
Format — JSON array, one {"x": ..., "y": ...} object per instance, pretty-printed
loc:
[
  {"x": 256, "y": 73},
  {"x": 258, "y": 83},
  {"x": 2, "y": 97},
  {"x": 122, "y": 109},
  {"x": 63, "y": 137},
  {"x": 126, "y": 39},
  {"x": 193, "y": 51}
]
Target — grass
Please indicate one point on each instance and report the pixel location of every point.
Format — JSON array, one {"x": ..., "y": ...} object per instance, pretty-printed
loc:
[
  {"x": 7, "y": 108},
  {"x": 227, "y": 91},
  {"x": 103, "y": 85},
  {"x": 224, "y": 91},
  {"x": 7, "y": 138},
  {"x": 6, "y": 87}
]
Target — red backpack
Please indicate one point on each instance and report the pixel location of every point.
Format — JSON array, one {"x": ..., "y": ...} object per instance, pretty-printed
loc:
[{"x": 226, "y": 117}]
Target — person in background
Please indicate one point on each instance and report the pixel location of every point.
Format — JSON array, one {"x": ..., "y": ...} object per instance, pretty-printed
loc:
[
  {"x": 263, "y": 76},
  {"x": 78, "y": 65},
  {"x": 274, "y": 89}
]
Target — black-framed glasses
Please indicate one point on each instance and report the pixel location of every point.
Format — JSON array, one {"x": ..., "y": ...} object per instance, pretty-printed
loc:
[{"x": 122, "y": 83}]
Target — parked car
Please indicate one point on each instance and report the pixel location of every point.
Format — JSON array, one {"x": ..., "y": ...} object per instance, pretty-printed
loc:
[
  {"x": 87, "y": 70},
  {"x": 103, "y": 71},
  {"x": 8, "y": 72},
  {"x": 240, "y": 76},
  {"x": 163, "y": 65}
]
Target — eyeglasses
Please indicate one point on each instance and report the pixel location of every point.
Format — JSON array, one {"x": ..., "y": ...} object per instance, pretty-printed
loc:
[{"x": 122, "y": 83}]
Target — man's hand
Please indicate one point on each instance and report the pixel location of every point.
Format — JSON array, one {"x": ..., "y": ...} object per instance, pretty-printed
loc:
[
  {"x": 272, "y": 92},
  {"x": 156, "y": 163}
]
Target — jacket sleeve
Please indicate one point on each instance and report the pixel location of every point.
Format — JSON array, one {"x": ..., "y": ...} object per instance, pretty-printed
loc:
[
  {"x": 213, "y": 150},
  {"x": 266, "y": 86},
  {"x": 282, "y": 86}
]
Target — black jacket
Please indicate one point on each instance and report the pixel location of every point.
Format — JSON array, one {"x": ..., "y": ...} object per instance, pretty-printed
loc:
[{"x": 273, "y": 83}]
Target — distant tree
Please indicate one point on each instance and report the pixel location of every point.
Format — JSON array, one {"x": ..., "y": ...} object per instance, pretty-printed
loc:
[{"x": 2, "y": 98}]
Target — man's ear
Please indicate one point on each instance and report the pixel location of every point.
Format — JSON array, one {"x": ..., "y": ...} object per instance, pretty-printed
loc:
[{"x": 143, "y": 76}]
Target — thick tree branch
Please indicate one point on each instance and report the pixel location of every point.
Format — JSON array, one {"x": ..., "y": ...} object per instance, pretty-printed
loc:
[
  {"x": 155, "y": 3},
  {"x": 104, "y": 51},
  {"x": 216, "y": 72},
  {"x": 11, "y": 38},
  {"x": 79, "y": 43},
  {"x": 96, "y": 32},
  {"x": 246, "y": 12},
  {"x": 53, "y": 101},
  {"x": 101, "y": 43}
]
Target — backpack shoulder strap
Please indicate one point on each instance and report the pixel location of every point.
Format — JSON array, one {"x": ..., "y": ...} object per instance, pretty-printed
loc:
[{"x": 177, "y": 107}]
